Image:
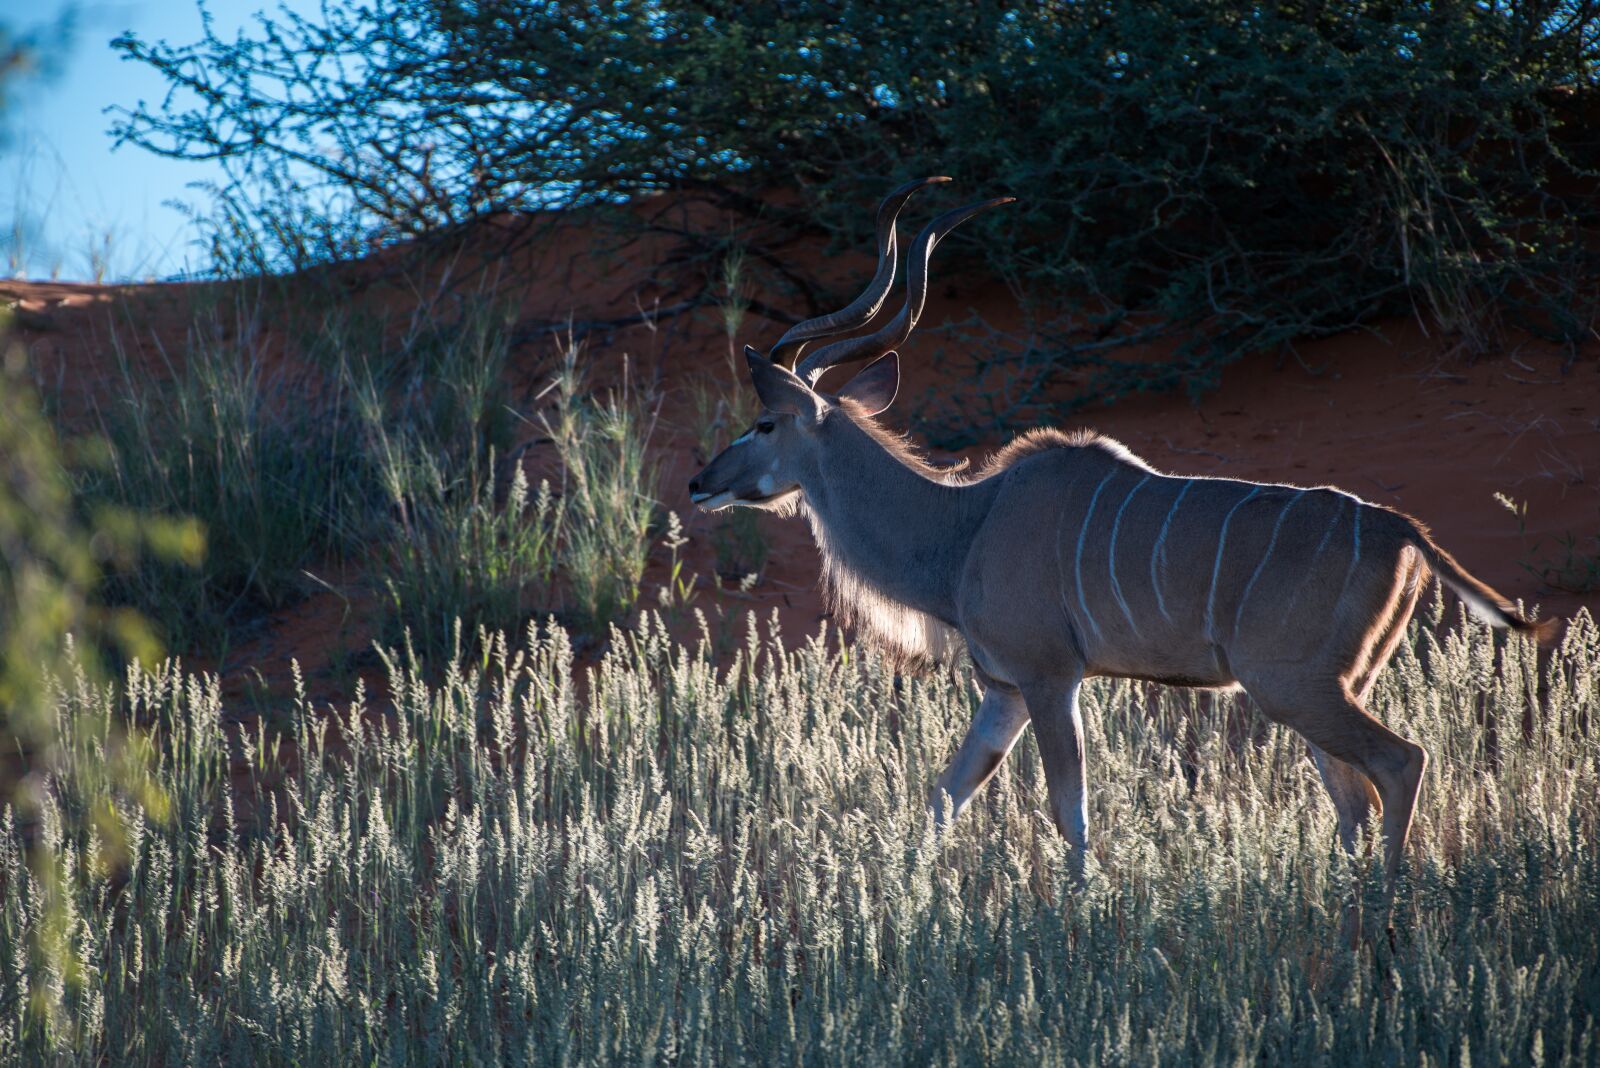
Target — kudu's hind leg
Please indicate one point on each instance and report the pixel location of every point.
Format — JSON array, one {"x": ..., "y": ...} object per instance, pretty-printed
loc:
[
  {"x": 1058, "y": 729},
  {"x": 1354, "y": 797},
  {"x": 1353, "y": 794},
  {"x": 995, "y": 729},
  {"x": 1332, "y": 720}
]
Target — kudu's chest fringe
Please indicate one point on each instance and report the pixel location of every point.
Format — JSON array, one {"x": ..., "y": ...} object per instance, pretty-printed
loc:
[{"x": 912, "y": 638}]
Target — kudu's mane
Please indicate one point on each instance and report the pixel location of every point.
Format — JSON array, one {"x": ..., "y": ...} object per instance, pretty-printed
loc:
[
  {"x": 1045, "y": 439},
  {"x": 962, "y": 473},
  {"x": 899, "y": 445},
  {"x": 912, "y": 640}
]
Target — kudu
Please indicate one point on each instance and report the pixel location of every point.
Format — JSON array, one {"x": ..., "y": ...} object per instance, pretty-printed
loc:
[{"x": 1066, "y": 556}]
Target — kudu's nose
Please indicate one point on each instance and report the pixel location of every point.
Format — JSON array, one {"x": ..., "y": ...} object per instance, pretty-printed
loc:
[{"x": 694, "y": 486}]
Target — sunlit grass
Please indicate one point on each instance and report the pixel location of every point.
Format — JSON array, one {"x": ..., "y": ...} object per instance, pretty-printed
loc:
[{"x": 668, "y": 862}]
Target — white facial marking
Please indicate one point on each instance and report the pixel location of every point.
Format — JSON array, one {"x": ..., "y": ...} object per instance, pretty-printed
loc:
[
  {"x": 742, "y": 438},
  {"x": 766, "y": 486}
]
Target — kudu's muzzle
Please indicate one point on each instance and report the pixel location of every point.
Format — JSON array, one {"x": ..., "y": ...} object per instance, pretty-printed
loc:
[{"x": 711, "y": 489}]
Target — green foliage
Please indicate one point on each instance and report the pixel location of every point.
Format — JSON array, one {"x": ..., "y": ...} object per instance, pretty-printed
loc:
[
  {"x": 51, "y": 560},
  {"x": 1212, "y": 177},
  {"x": 677, "y": 863},
  {"x": 725, "y": 406},
  {"x": 454, "y": 547},
  {"x": 379, "y": 451},
  {"x": 51, "y": 745},
  {"x": 465, "y": 538}
]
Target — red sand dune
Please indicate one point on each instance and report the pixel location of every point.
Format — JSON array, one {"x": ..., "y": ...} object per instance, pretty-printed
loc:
[{"x": 1389, "y": 414}]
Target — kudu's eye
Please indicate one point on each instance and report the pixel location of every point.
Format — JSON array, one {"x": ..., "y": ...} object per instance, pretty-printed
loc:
[{"x": 765, "y": 426}]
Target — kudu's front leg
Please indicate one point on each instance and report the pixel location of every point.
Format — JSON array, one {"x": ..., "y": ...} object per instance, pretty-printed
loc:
[
  {"x": 995, "y": 729},
  {"x": 1058, "y": 729}
]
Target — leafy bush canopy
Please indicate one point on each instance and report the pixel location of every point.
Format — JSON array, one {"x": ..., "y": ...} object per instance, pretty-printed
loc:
[{"x": 1238, "y": 175}]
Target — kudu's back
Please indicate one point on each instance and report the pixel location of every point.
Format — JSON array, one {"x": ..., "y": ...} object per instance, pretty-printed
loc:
[{"x": 1191, "y": 581}]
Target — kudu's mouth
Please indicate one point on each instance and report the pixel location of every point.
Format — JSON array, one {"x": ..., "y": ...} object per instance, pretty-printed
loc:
[
  {"x": 712, "y": 502},
  {"x": 723, "y": 499}
]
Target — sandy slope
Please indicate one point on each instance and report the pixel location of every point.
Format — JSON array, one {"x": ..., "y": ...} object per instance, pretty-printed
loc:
[{"x": 1389, "y": 415}]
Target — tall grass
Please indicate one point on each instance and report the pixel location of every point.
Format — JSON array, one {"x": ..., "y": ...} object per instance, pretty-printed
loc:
[
  {"x": 609, "y": 490},
  {"x": 463, "y": 557},
  {"x": 722, "y": 411},
  {"x": 387, "y": 454},
  {"x": 268, "y": 466},
  {"x": 676, "y": 863},
  {"x": 452, "y": 544},
  {"x": 467, "y": 537}
]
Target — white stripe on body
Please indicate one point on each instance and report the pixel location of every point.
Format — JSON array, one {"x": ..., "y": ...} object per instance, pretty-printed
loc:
[
  {"x": 1111, "y": 555},
  {"x": 1327, "y": 535},
  {"x": 1216, "y": 565},
  {"x": 1156, "y": 553},
  {"x": 1262, "y": 566},
  {"x": 1077, "y": 560},
  {"x": 1355, "y": 554}
]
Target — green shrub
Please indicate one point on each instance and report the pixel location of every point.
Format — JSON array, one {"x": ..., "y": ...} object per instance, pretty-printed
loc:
[
  {"x": 459, "y": 546},
  {"x": 680, "y": 863},
  {"x": 466, "y": 539},
  {"x": 380, "y": 452},
  {"x": 1217, "y": 177},
  {"x": 65, "y": 767}
]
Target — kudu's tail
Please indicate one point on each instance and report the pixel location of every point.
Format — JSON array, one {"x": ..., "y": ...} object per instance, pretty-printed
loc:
[{"x": 1487, "y": 603}]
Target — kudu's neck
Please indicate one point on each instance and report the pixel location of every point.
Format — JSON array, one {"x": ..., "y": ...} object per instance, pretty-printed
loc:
[{"x": 901, "y": 531}]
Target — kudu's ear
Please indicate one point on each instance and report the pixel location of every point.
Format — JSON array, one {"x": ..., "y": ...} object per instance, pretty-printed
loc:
[
  {"x": 874, "y": 388},
  {"x": 779, "y": 388}
]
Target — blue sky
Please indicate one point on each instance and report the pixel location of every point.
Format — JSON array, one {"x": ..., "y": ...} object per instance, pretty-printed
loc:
[{"x": 75, "y": 199}]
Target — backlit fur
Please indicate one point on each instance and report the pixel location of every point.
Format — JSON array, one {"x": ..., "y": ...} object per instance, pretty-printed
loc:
[{"x": 911, "y": 640}]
